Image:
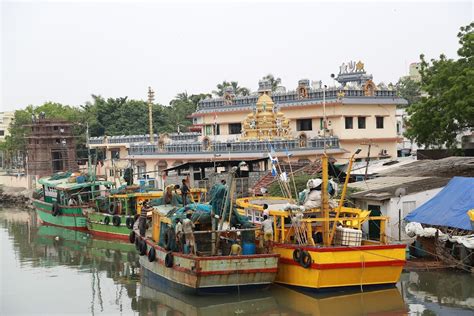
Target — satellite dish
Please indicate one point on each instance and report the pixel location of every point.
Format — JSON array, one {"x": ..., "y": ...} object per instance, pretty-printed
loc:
[{"x": 400, "y": 192}]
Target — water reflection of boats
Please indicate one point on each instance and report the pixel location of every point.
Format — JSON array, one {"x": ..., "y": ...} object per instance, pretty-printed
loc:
[
  {"x": 277, "y": 300},
  {"x": 431, "y": 289},
  {"x": 68, "y": 244},
  {"x": 378, "y": 302},
  {"x": 46, "y": 245},
  {"x": 51, "y": 250},
  {"x": 159, "y": 301}
]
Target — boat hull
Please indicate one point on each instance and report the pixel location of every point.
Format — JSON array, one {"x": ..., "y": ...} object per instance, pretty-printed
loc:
[
  {"x": 202, "y": 275},
  {"x": 341, "y": 267},
  {"x": 97, "y": 226},
  {"x": 70, "y": 217}
]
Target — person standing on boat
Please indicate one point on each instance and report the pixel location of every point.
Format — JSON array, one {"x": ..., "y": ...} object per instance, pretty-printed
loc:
[
  {"x": 267, "y": 228},
  {"x": 235, "y": 249},
  {"x": 178, "y": 230},
  {"x": 184, "y": 191},
  {"x": 142, "y": 218},
  {"x": 188, "y": 227}
]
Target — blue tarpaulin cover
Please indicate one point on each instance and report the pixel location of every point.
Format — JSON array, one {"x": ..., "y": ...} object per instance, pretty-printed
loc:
[{"x": 449, "y": 207}]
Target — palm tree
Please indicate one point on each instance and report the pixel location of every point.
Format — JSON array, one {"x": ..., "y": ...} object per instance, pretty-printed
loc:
[
  {"x": 221, "y": 88},
  {"x": 239, "y": 91},
  {"x": 275, "y": 82},
  {"x": 183, "y": 96}
]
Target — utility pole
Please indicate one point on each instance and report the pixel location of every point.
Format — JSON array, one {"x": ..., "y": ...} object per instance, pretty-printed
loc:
[
  {"x": 368, "y": 143},
  {"x": 151, "y": 98}
]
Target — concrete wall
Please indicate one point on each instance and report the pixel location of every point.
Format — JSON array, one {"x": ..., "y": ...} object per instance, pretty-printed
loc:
[
  {"x": 390, "y": 208},
  {"x": 406, "y": 204},
  {"x": 18, "y": 181}
]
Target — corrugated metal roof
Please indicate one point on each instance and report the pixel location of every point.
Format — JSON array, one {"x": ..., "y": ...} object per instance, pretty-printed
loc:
[{"x": 383, "y": 188}]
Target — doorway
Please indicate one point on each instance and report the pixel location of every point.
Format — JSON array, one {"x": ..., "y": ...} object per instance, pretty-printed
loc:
[
  {"x": 374, "y": 225},
  {"x": 57, "y": 161}
]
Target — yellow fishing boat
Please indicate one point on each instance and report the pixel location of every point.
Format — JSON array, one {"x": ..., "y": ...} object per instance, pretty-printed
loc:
[{"x": 324, "y": 248}]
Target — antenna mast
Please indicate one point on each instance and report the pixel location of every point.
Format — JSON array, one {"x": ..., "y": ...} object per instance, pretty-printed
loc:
[{"x": 151, "y": 98}]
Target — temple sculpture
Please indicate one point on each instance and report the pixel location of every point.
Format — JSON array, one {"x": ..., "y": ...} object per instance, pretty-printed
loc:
[{"x": 265, "y": 122}]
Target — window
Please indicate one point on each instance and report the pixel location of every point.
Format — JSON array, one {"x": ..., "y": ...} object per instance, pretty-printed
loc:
[
  {"x": 379, "y": 121},
  {"x": 115, "y": 153},
  {"x": 217, "y": 129},
  {"x": 361, "y": 122},
  {"x": 208, "y": 130},
  {"x": 235, "y": 128},
  {"x": 321, "y": 123},
  {"x": 349, "y": 122},
  {"x": 304, "y": 125},
  {"x": 2, "y": 133}
]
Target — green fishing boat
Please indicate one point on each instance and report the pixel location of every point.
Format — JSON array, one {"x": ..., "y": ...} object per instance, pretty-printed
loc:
[{"x": 65, "y": 198}]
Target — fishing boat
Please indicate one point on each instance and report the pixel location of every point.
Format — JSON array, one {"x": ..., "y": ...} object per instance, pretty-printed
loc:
[
  {"x": 64, "y": 197},
  {"x": 323, "y": 248},
  {"x": 114, "y": 215},
  {"x": 210, "y": 268}
]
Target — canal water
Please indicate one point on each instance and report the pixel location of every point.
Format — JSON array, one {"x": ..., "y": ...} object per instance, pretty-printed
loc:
[{"x": 50, "y": 270}]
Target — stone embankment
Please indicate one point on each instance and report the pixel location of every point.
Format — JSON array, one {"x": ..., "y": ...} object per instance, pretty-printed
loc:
[{"x": 14, "y": 196}]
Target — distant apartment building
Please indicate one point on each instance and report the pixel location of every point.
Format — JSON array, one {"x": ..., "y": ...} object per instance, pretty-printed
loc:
[
  {"x": 5, "y": 119},
  {"x": 359, "y": 114},
  {"x": 414, "y": 72}
]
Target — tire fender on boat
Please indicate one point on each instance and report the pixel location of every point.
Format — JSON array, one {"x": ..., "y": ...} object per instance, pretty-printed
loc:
[
  {"x": 107, "y": 220},
  {"x": 142, "y": 247},
  {"x": 137, "y": 243},
  {"x": 112, "y": 208},
  {"x": 131, "y": 237},
  {"x": 56, "y": 210},
  {"x": 169, "y": 260},
  {"x": 116, "y": 220},
  {"x": 151, "y": 254},
  {"x": 129, "y": 221},
  {"x": 297, "y": 255},
  {"x": 306, "y": 259}
]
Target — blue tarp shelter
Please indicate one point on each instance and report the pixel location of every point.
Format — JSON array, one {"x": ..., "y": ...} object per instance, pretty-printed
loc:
[{"x": 449, "y": 207}]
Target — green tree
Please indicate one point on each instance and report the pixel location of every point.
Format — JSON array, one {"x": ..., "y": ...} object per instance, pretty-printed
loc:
[
  {"x": 448, "y": 109},
  {"x": 275, "y": 82},
  {"x": 238, "y": 90},
  {"x": 409, "y": 90}
]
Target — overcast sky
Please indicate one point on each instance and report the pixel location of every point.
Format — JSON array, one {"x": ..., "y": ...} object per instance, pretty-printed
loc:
[{"x": 64, "y": 52}]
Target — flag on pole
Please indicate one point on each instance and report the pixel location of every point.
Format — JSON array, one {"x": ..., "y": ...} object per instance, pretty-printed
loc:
[
  {"x": 284, "y": 177},
  {"x": 272, "y": 155},
  {"x": 274, "y": 171}
]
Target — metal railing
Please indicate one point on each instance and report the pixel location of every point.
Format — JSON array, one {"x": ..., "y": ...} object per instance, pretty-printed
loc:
[
  {"x": 128, "y": 139},
  {"x": 293, "y": 96},
  {"x": 235, "y": 147}
]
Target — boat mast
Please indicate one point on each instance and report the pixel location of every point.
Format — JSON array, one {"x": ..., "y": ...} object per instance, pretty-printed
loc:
[{"x": 324, "y": 185}]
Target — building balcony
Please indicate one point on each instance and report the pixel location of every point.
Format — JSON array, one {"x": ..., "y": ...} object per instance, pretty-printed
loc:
[{"x": 130, "y": 139}]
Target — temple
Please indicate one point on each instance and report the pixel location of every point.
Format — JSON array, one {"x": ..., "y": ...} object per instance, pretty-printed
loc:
[{"x": 353, "y": 112}]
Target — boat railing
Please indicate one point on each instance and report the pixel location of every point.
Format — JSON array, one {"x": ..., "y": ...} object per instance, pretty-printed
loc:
[{"x": 314, "y": 225}]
